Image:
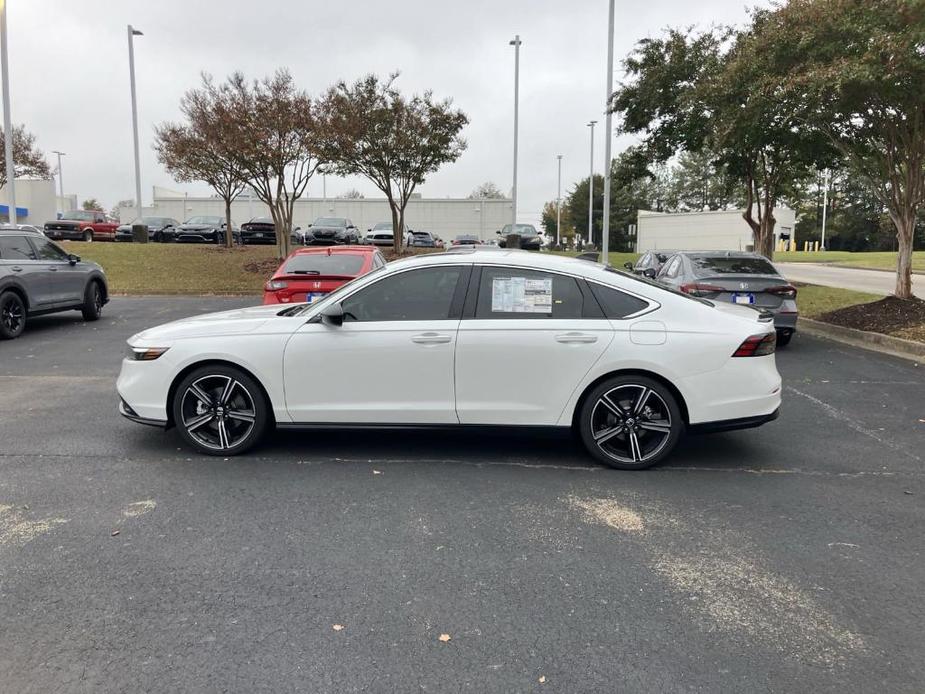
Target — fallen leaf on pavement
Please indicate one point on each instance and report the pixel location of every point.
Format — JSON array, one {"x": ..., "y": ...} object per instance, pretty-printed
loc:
[
  {"x": 337, "y": 627},
  {"x": 542, "y": 679},
  {"x": 377, "y": 472},
  {"x": 444, "y": 637},
  {"x": 115, "y": 532}
]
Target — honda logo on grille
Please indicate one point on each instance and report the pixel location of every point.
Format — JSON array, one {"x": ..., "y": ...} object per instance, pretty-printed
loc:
[{"x": 743, "y": 285}]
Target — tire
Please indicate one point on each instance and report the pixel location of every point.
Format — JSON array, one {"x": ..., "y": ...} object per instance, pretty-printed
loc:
[
  {"x": 646, "y": 406},
  {"x": 12, "y": 316},
  {"x": 88, "y": 235},
  {"x": 92, "y": 306},
  {"x": 784, "y": 337},
  {"x": 157, "y": 237},
  {"x": 215, "y": 426}
]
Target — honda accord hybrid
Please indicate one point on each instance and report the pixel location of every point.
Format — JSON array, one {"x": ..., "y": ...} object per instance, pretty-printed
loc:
[{"x": 507, "y": 338}]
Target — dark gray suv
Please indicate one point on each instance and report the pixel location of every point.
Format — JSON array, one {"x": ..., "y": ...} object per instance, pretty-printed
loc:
[{"x": 38, "y": 277}]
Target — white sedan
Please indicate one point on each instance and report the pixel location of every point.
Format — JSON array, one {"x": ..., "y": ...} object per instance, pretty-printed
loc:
[{"x": 504, "y": 338}]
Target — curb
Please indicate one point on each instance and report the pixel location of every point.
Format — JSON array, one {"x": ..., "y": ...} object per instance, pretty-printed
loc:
[
  {"x": 877, "y": 342},
  {"x": 874, "y": 269}
]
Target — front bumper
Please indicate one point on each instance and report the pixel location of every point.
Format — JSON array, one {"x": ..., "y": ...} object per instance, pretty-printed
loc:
[{"x": 64, "y": 234}]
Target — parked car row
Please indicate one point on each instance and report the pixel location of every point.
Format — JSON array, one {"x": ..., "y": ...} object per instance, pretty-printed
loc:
[{"x": 733, "y": 277}]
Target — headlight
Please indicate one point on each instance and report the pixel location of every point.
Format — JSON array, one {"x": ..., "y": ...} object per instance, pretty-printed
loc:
[{"x": 145, "y": 353}]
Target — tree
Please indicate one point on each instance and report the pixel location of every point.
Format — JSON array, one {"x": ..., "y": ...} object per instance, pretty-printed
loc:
[
  {"x": 92, "y": 204},
  {"x": 854, "y": 70},
  {"x": 701, "y": 183},
  {"x": 351, "y": 194},
  {"x": 114, "y": 213},
  {"x": 203, "y": 148},
  {"x": 487, "y": 190},
  {"x": 696, "y": 92},
  {"x": 276, "y": 142},
  {"x": 28, "y": 160},
  {"x": 548, "y": 221},
  {"x": 371, "y": 129}
]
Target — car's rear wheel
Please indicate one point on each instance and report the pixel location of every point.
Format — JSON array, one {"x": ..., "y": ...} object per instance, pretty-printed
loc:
[
  {"x": 783, "y": 337},
  {"x": 93, "y": 301},
  {"x": 12, "y": 315},
  {"x": 220, "y": 410},
  {"x": 88, "y": 236},
  {"x": 630, "y": 422}
]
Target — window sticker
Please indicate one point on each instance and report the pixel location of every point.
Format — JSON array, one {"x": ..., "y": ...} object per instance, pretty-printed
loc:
[{"x": 521, "y": 295}]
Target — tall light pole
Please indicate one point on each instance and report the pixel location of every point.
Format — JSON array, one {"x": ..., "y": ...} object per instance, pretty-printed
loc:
[
  {"x": 591, "y": 184},
  {"x": 608, "y": 127},
  {"x": 7, "y": 119},
  {"x": 516, "y": 44},
  {"x": 132, "y": 33},
  {"x": 559, "y": 200},
  {"x": 825, "y": 204},
  {"x": 60, "y": 177}
]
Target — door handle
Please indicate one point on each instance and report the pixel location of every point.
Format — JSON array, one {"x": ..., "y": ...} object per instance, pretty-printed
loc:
[
  {"x": 431, "y": 339},
  {"x": 576, "y": 338},
  {"x": 53, "y": 269},
  {"x": 16, "y": 269}
]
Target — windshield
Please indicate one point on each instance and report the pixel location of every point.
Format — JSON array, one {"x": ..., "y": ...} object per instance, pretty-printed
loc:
[
  {"x": 658, "y": 285},
  {"x": 731, "y": 265},
  {"x": 149, "y": 221},
  {"x": 261, "y": 220},
  {"x": 204, "y": 220},
  {"x": 330, "y": 222},
  {"x": 383, "y": 226},
  {"x": 339, "y": 264},
  {"x": 79, "y": 215},
  {"x": 522, "y": 229},
  {"x": 301, "y": 309}
]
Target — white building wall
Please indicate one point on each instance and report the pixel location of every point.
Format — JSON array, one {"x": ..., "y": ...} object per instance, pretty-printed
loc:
[
  {"x": 38, "y": 197},
  {"x": 723, "y": 230},
  {"x": 445, "y": 217}
]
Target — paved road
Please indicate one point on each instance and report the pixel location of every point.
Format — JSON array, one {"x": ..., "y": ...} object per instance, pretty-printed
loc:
[
  {"x": 787, "y": 558},
  {"x": 874, "y": 281}
]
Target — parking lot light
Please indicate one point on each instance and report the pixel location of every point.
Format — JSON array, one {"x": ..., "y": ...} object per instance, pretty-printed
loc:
[
  {"x": 132, "y": 33},
  {"x": 7, "y": 118}
]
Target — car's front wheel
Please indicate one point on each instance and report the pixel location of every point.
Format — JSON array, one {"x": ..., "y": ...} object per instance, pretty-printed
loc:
[
  {"x": 630, "y": 422},
  {"x": 93, "y": 301},
  {"x": 220, "y": 410},
  {"x": 12, "y": 316}
]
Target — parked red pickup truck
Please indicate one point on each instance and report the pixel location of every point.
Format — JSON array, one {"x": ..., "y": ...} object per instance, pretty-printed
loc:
[{"x": 82, "y": 225}]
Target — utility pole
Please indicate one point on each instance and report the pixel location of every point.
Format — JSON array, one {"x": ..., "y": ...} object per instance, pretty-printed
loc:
[
  {"x": 516, "y": 44},
  {"x": 559, "y": 201},
  {"x": 608, "y": 127},
  {"x": 132, "y": 33},
  {"x": 825, "y": 204},
  {"x": 591, "y": 186},
  {"x": 7, "y": 118}
]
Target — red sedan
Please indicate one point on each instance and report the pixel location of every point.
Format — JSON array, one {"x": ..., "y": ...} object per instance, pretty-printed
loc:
[{"x": 310, "y": 273}]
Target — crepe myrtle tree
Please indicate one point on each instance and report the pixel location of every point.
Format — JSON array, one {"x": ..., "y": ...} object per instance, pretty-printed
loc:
[
  {"x": 855, "y": 71},
  {"x": 372, "y": 129},
  {"x": 274, "y": 129},
  {"x": 200, "y": 149},
  {"x": 28, "y": 160}
]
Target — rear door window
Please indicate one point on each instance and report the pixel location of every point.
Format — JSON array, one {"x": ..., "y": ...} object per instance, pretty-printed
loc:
[
  {"x": 521, "y": 293},
  {"x": 16, "y": 248}
]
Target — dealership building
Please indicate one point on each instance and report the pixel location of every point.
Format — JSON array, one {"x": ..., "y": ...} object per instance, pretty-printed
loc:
[
  {"x": 445, "y": 217},
  {"x": 722, "y": 230}
]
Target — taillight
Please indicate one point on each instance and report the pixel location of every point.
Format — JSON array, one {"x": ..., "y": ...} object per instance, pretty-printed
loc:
[
  {"x": 786, "y": 291},
  {"x": 757, "y": 346},
  {"x": 275, "y": 285},
  {"x": 697, "y": 289}
]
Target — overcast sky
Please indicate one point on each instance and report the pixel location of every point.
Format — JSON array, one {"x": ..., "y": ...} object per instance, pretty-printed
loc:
[{"x": 70, "y": 83}]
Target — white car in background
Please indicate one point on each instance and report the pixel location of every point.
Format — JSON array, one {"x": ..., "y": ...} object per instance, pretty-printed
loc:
[{"x": 486, "y": 338}]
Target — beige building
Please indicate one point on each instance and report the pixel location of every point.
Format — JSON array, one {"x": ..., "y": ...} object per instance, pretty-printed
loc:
[{"x": 723, "y": 230}]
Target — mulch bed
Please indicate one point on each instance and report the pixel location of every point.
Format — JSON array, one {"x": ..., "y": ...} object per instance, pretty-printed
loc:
[{"x": 888, "y": 315}]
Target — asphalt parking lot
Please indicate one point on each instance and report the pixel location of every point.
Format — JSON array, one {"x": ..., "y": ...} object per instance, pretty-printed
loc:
[{"x": 787, "y": 558}]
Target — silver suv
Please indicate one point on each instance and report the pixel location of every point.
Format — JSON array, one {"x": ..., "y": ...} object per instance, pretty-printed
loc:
[{"x": 37, "y": 276}]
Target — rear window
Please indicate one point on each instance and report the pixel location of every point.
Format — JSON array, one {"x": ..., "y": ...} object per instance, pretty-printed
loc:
[
  {"x": 731, "y": 265},
  {"x": 344, "y": 264}
]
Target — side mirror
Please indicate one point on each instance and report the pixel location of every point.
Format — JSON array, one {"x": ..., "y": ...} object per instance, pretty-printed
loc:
[
  {"x": 73, "y": 259},
  {"x": 649, "y": 272},
  {"x": 333, "y": 314},
  {"x": 498, "y": 232},
  {"x": 628, "y": 266}
]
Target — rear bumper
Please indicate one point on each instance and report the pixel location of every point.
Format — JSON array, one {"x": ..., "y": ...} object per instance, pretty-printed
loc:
[
  {"x": 126, "y": 411},
  {"x": 733, "y": 424}
]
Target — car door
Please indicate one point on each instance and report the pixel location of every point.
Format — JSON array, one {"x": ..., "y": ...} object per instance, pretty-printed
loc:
[
  {"x": 530, "y": 339},
  {"x": 68, "y": 281},
  {"x": 390, "y": 362},
  {"x": 19, "y": 260}
]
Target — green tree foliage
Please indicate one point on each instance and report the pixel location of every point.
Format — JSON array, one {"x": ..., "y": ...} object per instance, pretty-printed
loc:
[
  {"x": 548, "y": 221},
  {"x": 489, "y": 190},
  {"x": 371, "y": 129},
  {"x": 854, "y": 70},
  {"x": 92, "y": 204}
]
